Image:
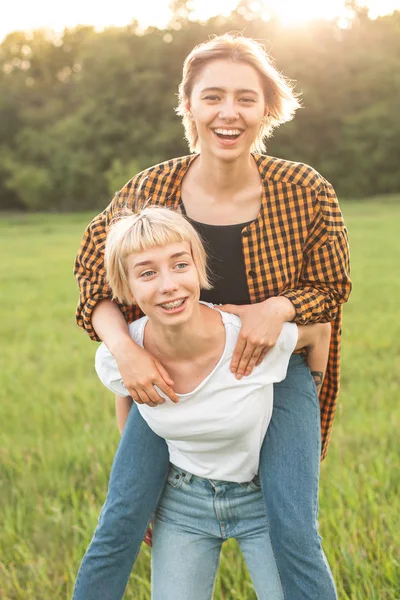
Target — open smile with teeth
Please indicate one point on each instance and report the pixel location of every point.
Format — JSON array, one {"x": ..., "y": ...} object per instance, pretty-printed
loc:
[
  {"x": 227, "y": 134},
  {"x": 174, "y": 304}
]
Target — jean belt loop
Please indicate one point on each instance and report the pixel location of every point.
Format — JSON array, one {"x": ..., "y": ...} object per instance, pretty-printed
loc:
[{"x": 187, "y": 477}]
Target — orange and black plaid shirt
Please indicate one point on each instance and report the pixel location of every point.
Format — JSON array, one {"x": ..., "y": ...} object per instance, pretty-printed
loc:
[{"x": 297, "y": 248}]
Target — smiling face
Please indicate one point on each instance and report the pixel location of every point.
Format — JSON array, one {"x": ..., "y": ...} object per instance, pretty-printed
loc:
[
  {"x": 165, "y": 283},
  {"x": 228, "y": 108}
]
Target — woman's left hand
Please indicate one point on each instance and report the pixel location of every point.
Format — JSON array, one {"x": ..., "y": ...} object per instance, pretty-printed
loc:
[{"x": 261, "y": 326}]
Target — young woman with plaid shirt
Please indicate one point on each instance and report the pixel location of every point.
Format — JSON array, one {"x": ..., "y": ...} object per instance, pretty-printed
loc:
[{"x": 281, "y": 228}]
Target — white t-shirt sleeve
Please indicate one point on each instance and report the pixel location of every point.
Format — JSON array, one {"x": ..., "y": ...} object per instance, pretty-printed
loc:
[
  {"x": 107, "y": 370},
  {"x": 275, "y": 364}
]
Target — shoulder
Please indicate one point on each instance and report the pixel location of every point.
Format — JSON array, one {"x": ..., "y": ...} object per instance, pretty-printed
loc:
[
  {"x": 229, "y": 319},
  {"x": 232, "y": 321},
  {"x": 289, "y": 172},
  {"x": 161, "y": 179}
]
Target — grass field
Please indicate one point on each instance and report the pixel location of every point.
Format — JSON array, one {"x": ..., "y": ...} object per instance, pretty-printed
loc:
[{"x": 58, "y": 435}]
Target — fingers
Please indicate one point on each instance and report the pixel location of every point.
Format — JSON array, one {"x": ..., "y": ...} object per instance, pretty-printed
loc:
[
  {"x": 148, "y": 391},
  {"x": 253, "y": 360},
  {"x": 146, "y": 380},
  {"x": 237, "y": 354},
  {"x": 162, "y": 384},
  {"x": 164, "y": 374},
  {"x": 244, "y": 360},
  {"x": 247, "y": 355},
  {"x": 262, "y": 356},
  {"x": 140, "y": 396}
]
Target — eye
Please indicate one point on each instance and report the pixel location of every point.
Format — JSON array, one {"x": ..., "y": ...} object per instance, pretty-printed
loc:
[
  {"x": 212, "y": 98},
  {"x": 247, "y": 100},
  {"x": 147, "y": 274},
  {"x": 181, "y": 265}
]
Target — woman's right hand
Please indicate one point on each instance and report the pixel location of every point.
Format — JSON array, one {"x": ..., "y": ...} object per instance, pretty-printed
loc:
[{"x": 140, "y": 372}]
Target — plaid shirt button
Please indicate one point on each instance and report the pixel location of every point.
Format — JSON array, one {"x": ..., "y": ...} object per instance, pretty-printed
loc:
[{"x": 252, "y": 273}]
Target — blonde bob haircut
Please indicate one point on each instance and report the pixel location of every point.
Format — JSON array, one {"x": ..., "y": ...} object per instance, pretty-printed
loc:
[
  {"x": 280, "y": 98},
  {"x": 149, "y": 228}
]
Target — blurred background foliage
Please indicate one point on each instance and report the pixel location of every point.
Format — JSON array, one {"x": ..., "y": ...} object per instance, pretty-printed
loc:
[{"x": 82, "y": 112}]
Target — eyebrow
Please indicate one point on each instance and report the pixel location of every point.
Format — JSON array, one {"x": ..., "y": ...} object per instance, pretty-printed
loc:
[
  {"x": 143, "y": 263},
  {"x": 241, "y": 91}
]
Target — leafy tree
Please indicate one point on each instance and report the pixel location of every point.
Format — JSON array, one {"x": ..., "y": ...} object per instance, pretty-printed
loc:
[{"x": 82, "y": 112}]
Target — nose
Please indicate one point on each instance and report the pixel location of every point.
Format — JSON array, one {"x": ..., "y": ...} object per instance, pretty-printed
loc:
[
  {"x": 228, "y": 111},
  {"x": 167, "y": 283}
]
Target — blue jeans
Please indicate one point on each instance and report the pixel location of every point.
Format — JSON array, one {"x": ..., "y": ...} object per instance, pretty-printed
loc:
[
  {"x": 289, "y": 473},
  {"x": 193, "y": 518}
]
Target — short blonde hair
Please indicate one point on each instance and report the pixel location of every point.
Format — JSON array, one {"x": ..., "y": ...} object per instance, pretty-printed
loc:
[
  {"x": 280, "y": 98},
  {"x": 148, "y": 228}
]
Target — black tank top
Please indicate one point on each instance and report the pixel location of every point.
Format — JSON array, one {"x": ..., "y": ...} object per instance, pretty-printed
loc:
[{"x": 223, "y": 244}]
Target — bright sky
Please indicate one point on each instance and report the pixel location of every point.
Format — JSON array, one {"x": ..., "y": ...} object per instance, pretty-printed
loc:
[{"x": 34, "y": 14}]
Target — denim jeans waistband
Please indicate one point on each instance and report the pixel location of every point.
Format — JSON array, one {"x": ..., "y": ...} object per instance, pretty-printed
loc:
[{"x": 187, "y": 477}]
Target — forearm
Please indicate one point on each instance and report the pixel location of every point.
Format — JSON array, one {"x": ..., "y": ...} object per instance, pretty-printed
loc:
[
  {"x": 316, "y": 338},
  {"x": 110, "y": 325},
  {"x": 281, "y": 308},
  {"x": 123, "y": 405},
  {"x": 317, "y": 359}
]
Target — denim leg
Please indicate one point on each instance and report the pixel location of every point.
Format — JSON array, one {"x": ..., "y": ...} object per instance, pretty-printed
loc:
[
  {"x": 184, "y": 563},
  {"x": 289, "y": 473},
  {"x": 136, "y": 482},
  {"x": 251, "y": 532},
  {"x": 186, "y": 540}
]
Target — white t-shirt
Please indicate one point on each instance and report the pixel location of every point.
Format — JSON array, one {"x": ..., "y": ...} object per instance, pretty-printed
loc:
[{"x": 215, "y": 431}]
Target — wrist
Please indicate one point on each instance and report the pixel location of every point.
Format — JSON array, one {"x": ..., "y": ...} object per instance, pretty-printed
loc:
[
  {"x": 119, "y": 345},
  {"x": 282, "y": 307}
]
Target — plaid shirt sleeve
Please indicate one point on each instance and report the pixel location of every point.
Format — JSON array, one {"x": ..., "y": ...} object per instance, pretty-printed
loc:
[
  {"x": 157, "y": 183},
  {"x": 324, "y": 282},
  {"x": 89, "y": 269}
]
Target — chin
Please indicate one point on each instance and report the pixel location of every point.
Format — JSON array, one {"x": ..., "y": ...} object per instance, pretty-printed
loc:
[
  {"x": 175, "y": 321},
  {"x": 229, "y": 155}
]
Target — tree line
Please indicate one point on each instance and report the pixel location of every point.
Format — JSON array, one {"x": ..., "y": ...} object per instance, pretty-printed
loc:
[{"x": 82, "y": 112}]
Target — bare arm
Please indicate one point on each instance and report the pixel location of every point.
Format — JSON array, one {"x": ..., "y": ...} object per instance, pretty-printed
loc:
[
  {"x": 316, "y": 339},
  {"x": 110, "y": 325},
  {"x": 122, "y": 407},
  {"x": 140, "y": 371},
  {"x": 105, "y": 320}
]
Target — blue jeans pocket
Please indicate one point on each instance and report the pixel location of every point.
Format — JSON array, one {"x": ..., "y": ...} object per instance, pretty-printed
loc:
[
  {"x": 255, "y": 484},
  {"x": 175, "y": 477}
]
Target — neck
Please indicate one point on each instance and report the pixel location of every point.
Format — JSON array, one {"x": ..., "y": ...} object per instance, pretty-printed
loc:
[
  {"x": 185, "y": 342},
  {"x": 221, "y": 176}
]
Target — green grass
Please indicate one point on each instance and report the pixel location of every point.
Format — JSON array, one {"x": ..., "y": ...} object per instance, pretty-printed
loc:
[{"x": 58, "y": 434}]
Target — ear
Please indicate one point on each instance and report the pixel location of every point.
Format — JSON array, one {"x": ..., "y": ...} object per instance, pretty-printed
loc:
[
  {"x": 188, "y": 108},
  {"x": 266, "y": 111}
]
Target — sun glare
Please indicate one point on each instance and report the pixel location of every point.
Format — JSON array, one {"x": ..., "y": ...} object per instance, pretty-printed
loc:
[
  {"x": 294, "y": 12},
  {"x": 26, "y": 15}
]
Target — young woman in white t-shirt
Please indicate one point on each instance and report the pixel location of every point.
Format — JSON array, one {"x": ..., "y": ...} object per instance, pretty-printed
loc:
[{"x": 215, "y": 429}]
